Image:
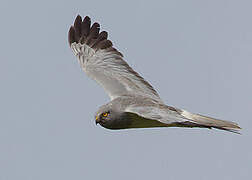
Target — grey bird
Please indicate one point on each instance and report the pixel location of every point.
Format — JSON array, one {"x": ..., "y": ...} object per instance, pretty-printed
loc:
[{"x": 134, "y": 102}]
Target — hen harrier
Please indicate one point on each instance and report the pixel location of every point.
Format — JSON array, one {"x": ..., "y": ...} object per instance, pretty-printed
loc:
[{"x": 134, "y": 102}]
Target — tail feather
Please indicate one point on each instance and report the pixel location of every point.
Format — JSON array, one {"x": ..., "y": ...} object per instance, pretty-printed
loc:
[{"x": 211, "y": 122}]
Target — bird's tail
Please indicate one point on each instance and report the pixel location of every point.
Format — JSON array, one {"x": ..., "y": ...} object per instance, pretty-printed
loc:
[{"x": 208, "y": 122}]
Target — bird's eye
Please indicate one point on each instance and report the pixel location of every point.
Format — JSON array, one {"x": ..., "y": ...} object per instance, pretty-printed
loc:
[{"x": 105, "y": 114}]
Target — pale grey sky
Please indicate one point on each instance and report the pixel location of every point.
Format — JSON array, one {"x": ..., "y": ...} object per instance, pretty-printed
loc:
[{"x": 197, "y": 54}]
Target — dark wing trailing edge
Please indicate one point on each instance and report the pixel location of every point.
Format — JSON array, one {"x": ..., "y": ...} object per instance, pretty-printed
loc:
[{"x": 82, "y": 32}]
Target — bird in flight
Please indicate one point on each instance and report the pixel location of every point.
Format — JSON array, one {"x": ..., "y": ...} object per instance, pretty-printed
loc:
[{"x": 134, "y": 102}]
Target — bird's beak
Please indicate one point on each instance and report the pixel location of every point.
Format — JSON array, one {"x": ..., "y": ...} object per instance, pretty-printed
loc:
[{"x": 97, "y": 120}]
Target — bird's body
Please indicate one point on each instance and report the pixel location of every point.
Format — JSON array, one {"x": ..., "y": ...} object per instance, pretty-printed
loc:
[{"x": 134, "y": 102}]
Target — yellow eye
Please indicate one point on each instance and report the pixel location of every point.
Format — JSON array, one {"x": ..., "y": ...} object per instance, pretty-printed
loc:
[{"x": 105, "y": 114}]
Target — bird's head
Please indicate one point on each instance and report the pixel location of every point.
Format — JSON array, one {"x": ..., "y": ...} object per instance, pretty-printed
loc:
[{"x": 110, "y": 117}]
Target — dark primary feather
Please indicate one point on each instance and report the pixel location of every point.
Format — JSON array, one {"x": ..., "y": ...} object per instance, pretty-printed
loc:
[
  {"x": 85, "y": 26},
  {"x": 104, "y": 44},
  {"x": 94, "y": 31},
  {"x": 77, "y": 27},
  {"x": 82, "y": 32},
  {"x": 102, "y": 36},
  {"x": 71, "y": 35}
]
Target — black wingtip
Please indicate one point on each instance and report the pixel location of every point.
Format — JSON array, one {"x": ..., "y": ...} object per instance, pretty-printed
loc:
[
  {"x": 94, "y": 32},
  {"x": 82, "y": 32},
  {"x": 77, "y": 27},
  {"x": 85, "y": 26},
  {"x": 71, "y": 35},
  {"x": 78, "y": 19},
  {"x": 78, "y": 16},
  {"x": 87, "y": 18}
]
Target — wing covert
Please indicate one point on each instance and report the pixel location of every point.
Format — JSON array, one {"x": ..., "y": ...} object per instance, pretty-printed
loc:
[{"x": 160, "y": 112}]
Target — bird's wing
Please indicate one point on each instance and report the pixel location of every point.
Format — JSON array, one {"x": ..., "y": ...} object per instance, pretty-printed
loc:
[
  {"x": 175, "y": 117},
  {"x": 160, "y": 112},
  {"x": 103, "y": 63}
]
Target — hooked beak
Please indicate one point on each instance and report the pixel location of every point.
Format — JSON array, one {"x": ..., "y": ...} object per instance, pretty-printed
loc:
[{"x": 97, "y": 121}]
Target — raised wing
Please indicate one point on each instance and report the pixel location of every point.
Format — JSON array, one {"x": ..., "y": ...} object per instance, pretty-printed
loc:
[{"x": 103, "y": 63}]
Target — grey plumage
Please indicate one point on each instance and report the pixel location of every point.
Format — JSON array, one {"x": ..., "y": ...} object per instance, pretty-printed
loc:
[{"x": 134, "y": 102}]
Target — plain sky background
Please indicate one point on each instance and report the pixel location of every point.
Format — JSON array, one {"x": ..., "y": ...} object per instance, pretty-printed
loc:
[{"x": 197, "y": 54}]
